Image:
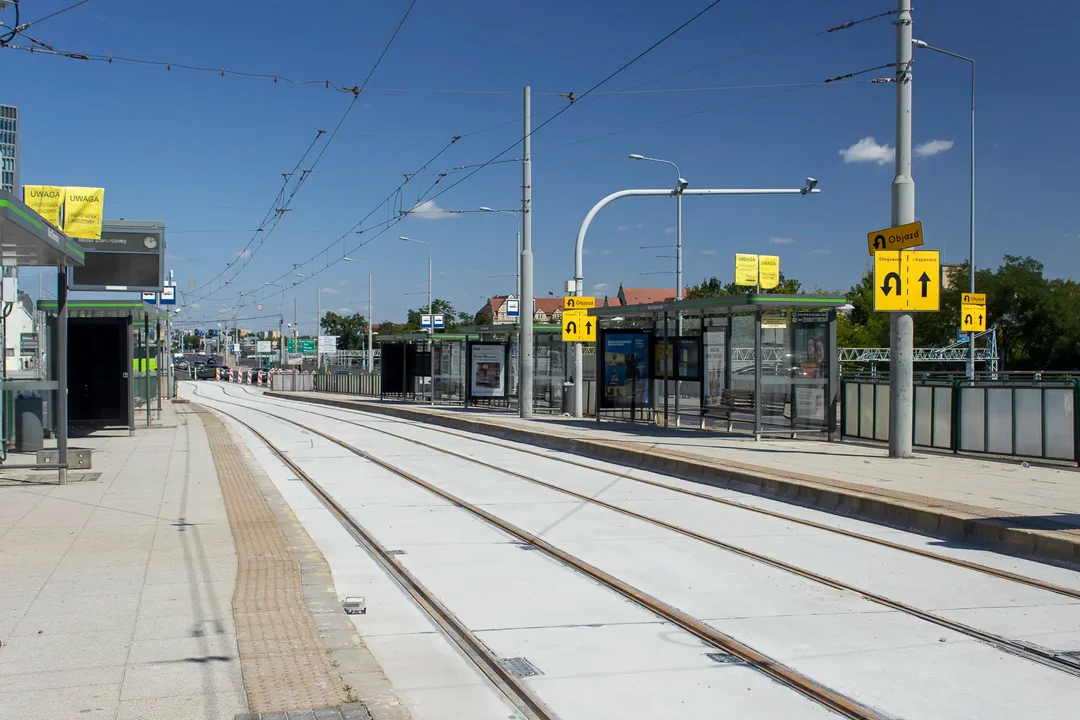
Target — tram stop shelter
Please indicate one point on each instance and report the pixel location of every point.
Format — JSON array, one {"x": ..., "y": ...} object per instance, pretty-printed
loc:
[
  {"x": 28, "y": 240},
  {"x": 117, "y": 364},
  {"x": 759, "y": 362},
  {"x": 475, "y": 366}
]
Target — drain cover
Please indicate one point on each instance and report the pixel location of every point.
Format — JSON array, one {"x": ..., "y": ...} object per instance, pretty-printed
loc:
[
  {"x": 723, "y": 658},
  {"x": 519, "y": 667}
]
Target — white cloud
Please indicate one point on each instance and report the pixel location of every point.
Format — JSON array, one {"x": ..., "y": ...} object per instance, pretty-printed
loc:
[
  {"x": 623, "y": 228},
  {"x": 934, "y": 147},
  {"x": 429, "y": 210},
  {"x": 669, "y": 231},
  {"x": 344, "y": 311},
  {"x": 330, "y": 290},
  {"x": 821, "y": 251},
  {"x": 242, "y": 255},
  {"x": 868, "y": 150},
  {"x": 641, "y": 226},
  {"x": 781, "y": 240},
  {"x": 194, "y": 306},
  {"x": 605, "y": 252},
  {"x": 600, "y": 287},
  {"x": 708, "y": 252}
]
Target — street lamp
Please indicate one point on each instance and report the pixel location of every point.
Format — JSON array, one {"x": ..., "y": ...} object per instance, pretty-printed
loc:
[
  {"x": 517, "y": 258},
  {"x": 369, "y": 358},
  {"x": 281, "y": 324},
  {"x": 431, "y": 310},
  {"x": 971, "y": 222},
  {"x": 680, "y": 185}
]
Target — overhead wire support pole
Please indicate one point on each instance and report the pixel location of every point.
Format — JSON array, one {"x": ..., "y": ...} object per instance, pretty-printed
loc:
[
  {"x": 579, "y": 250},
  {"x": 525, "y": 302},
  {"x": 902, "y": 324}
]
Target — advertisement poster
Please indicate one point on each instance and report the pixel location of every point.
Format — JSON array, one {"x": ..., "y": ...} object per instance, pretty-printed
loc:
[
  {"x": 810, "y": 403},
  {"x": 488, "y": 371},
  {"x": 811, "y": 348},
  {"x": 715, "y": 366},
  {"x": 688, "y": 350},
  {"x": 626, "y": 369}
]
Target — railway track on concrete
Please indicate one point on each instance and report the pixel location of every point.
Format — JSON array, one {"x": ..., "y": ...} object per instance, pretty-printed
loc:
[
  {"x": 484, "y": 660},
  {"x": 1045, "y": 656}
]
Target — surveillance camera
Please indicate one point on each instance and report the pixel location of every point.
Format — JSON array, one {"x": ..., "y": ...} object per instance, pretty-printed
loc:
[{"x": 811, "y": 183}]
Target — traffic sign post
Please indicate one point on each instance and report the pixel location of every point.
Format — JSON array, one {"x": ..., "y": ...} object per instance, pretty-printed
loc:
[
  {"x": 513, "y": 307},
  {"x": 907, "y": 281},
  {"x": 577, "y": 326},
  {"x": 900, "y": 237},
  {"x": 973, "y": 299}
]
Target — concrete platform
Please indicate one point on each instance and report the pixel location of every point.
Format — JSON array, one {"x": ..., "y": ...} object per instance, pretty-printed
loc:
[
  {"x": 1028, "y": 511},
  {"x": 117, "y": 594}
]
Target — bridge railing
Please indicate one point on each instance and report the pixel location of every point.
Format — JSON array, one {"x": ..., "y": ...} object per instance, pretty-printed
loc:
[{"x": 1026, "y": 418}]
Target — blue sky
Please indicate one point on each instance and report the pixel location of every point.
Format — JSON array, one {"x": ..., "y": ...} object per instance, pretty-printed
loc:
[{"x": 205, "y": 153}]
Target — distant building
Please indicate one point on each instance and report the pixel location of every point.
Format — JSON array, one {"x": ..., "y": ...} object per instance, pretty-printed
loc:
[
  {"x": 9, "y": 150},
  {"x": 269, "y": 334},
  {"x": 548, "y": 310},
  {"x": 949, "y": 273},
  {"x": 640, "y": 296}
]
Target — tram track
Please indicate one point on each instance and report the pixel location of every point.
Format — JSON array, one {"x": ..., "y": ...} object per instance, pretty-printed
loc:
[
  {"x": 957, "y": 562},
  {"x": 488, "y": 664},
  {"x": 1028, "y": 651}
]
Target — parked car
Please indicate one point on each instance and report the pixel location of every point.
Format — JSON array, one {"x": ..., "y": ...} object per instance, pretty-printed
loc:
[{"x": 209, "y": 371}]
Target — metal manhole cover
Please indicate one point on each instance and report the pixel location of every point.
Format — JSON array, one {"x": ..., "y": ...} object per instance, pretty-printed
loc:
[
  {"x": 519, "y": 667},
  {"x": 723, "y": 658}
]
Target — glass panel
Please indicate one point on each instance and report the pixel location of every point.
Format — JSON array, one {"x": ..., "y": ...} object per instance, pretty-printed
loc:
[
  {"x": 1060, "y": 423},
  {"x": 999, "y": 421},
  {"x": 924, "y": 410},
  {"x": 809, "y": 369},
  {"x": 943, "y": 417},
  {"x": 715, "y": 364},
  {"x": 1028, "y": 412},
  {"x": 866, "y": 411},
  {"x": 881, "y": 411},
  {"x": 777, "y": 368},
  {"x": 850, "y": 408},
  {"x": 972, "y": 419}
]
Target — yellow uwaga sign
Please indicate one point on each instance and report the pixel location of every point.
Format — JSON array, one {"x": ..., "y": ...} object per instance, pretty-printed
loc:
[
  {"x": 757, "y": 270},
  {"x": 897, "y": 238},
  {"x": 746, "y": 269},
  {"x": 768, "y": 271},
  {"x": 84, "y": 212},
  {"x": 46, "y": 200}
]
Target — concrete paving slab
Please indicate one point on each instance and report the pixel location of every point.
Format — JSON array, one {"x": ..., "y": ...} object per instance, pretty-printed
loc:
[
  {"x": 75, "y": 702},
  {"x": 201, "y": 706}
]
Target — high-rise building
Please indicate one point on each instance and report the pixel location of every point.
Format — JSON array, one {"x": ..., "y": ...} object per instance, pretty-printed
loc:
[{"x": 9, "y": 150}]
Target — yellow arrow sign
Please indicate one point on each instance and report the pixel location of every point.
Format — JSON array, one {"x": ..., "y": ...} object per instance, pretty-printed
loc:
[
  {"x": 578, "y": 302},
  {"x": 577, "y": 326},
  {"x": 973, "y": 318},
  {"x": 973, "y": 299},
  {"x": 897, "y": 238},
  {"x": 907, "y": 281}
]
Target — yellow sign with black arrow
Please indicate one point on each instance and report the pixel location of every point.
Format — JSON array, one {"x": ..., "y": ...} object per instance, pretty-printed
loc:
[
  {"x": 908, "y": 281},
  {"x": 973, "y": 299},
  {"x": 577, "y": 326},
  {"x": 896, "y": 238},
  {"x": 973, "y": 318},
  {"x": 578, "y": 302}
]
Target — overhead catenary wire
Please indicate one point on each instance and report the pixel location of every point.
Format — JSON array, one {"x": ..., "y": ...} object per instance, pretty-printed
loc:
[{"x": 322, "y": 152}]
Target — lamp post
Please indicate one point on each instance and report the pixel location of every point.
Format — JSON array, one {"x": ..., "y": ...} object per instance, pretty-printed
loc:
[
  {"x": 281, "y": 324},
  {"x": 517, "y": 257},
  {"x": 430, "y": 309},
  {"x": 579, "y": 251},
  {"x": 369, "y": 358},
  {"x": 680, "y": 185},
  {"x": 971, "y": 221}
]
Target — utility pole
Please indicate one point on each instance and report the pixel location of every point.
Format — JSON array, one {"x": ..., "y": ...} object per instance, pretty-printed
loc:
[
  {"x": 318, "y": 328},
  {"x": 902, "y": 325},
  {"x": 525, "y": 302}
]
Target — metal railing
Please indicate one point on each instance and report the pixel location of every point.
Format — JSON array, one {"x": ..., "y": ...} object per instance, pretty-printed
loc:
[
  {"x": 349, "y": 383},
  {"x": 292, "y": 382},
  {"x": 1026, "y": 418}
]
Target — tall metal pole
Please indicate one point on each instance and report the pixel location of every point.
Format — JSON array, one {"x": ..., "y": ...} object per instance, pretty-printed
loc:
[
  {"x": 678, "y": 294},
  {"x": 525, "y": 302},
  {"x": 369, "y": 361},
  {"x": 971, "y": 226},
  {"x": 318, "y": 329},
  {"x": 62, "y": 373},
  {"x": 902, "y": 325}
]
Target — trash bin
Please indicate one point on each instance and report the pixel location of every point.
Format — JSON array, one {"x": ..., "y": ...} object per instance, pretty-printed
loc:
[
  {"x": 567, "y": 398},
  {"x": 29, "y": 428}
]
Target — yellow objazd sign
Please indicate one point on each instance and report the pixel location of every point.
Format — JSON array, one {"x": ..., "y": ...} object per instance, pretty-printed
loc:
[
  {"x": 973, "y": 299},
  {"x": 896, "y": 238},
  {"x": 973, "y": 318},
  {"x": 746, "y": 269},
  {"x": 769, "y": 271},
  {"x": 578, "y": 302},
  {"x": 907, "y": 281},
  {"x": 83, "y": 212},
  {"x": 46, "y": 200}
]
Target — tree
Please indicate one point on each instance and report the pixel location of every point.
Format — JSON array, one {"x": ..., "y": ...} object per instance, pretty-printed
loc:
[{"x": 351, "y": 330}]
